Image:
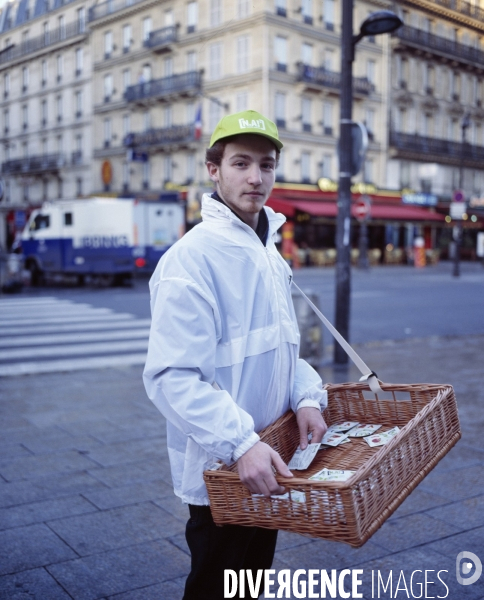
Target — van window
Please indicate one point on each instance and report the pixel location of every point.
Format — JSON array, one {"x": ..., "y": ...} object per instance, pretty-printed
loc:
[
  {"x": 68, "y": 218},
  {"x": 40, "y": 222}
]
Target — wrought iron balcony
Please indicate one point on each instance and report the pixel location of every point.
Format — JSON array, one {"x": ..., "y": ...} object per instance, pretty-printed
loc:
[
  {"x": 417, "y": 147},
  {"x": 183, "y": 84},
  {"x": 34, "y": 164},
  {"x": 176, "y": 134},
  {"x": 111, "y": 6},
  {"x": 417, "y": 38},
  {"x": 49, "y": 38},
  {"x": 162, "y": 39},
  {"x": 322, "y": 77}
]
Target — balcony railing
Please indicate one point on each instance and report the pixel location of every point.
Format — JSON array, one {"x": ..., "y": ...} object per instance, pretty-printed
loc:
[
  {"x": 442, "y": 151},
  {"x": 43, "y": 41},
  {"x": 162, "y": 38},
  {"x": 111, "y": 6},
  {"x": 440, "y": 45},
  {"x": 323, "y": 77},
  {"x": 183, "y": 83},
  {"x": 176, "y": 134},
  {"x": 34, "y": 164},
  {"x": 463, "y": 7}
]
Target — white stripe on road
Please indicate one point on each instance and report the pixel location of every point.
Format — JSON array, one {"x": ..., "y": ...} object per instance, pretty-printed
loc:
[
  {"x": 46, "y": 312},
  {"x": 72, "y": 319},
  {"x": 65, "y": 338},
  {"x": 75, "y": 364},
  {"x": 74, "y": 349},
  {"x": 30, "y": 301},
  {"x": 39, "y": 328}
]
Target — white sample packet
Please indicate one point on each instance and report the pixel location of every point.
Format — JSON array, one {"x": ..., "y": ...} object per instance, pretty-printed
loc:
[
  {"x": 332, "y": 475},
  {"x": 298, "y": 497},
  {"x": 303, "y": 458},
  {"x": 362, "y": 430},
  {"x": 333, "y": 439},
  {"x": 380, "y": 439},
  {"x": 342, "y": 427}
]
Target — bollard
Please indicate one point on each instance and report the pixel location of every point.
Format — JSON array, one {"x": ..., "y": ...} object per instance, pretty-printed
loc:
[
  {"x": 419, "y": 252},
  {"x": 310, "y": 328}
]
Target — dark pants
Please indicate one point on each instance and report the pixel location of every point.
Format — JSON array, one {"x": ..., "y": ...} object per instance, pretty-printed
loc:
[{"x": 215, "y": 548}]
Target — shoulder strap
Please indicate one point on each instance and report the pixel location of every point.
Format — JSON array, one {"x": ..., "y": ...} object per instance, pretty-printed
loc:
[{"x": 367, "y": 374}]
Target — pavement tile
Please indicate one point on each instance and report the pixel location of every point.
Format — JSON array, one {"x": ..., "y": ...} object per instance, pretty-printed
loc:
[
  {"x": 43, "y": 464},
  {"x": 43, "y": 488},
  {"x": 179, "y": 540},
  {"x": 287, "y": 539},
  {"x": 323, "y": 554},
  {"x": 95, "y": 427},
  {"x": 411, "y": 530},
  {"x": 131, "y": 494},
  {"x": 472, "y": 541},
  {"x": 121, "y": 571},
  {"x": 29, "y": 547},
  {"x": 13, "y": 451},
  {"x": 168, "y": 590},
  {"x": 129, "y": 452},
  {"x": 174, "y": 506},
  {"x": 418, "y": 501},
  {"x": 110, "y": 529},
  {"x": 146, "y": 470},
  {"x": 460, "y": 457},
  {"x": 39, "y": 512},
  {"x": 82, "y": 443},
  {"x": 35, "y": 584},
  {"x": 136, "y": 431},
  {"x": 467, "y": 482},
  {"x": 465, "y": 514}
]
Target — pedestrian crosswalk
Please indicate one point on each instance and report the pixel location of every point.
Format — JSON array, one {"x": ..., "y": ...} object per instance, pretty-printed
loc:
[{"x": 48, "y": 334}]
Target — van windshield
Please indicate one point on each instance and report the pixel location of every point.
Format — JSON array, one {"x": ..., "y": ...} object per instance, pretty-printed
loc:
[{"x": 40, "y": 222}]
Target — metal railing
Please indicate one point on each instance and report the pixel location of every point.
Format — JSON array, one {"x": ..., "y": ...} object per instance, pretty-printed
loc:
[
  {"x": 156, "y": 88},
  {"x": 43, "y": 41},
  {"x": 162, "y": 37},
  {"x": 109, "y": 7},
  {"x": 161, "y": 136},
  {"x": 450, "y": 150},
  {"x": 440, "y": 44},
  {"x": 463, "y": 7},
  {"x": 332, "y": 79},
  {"x": 34, "y": 164}
]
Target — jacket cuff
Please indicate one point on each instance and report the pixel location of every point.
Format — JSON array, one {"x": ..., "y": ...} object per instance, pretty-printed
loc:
[
  {"x": 306, "y": 402},
  {"x": 246, "y": 445}
]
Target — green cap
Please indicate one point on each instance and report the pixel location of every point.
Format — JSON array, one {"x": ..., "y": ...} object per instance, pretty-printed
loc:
[{"x": 247, "y": 121}]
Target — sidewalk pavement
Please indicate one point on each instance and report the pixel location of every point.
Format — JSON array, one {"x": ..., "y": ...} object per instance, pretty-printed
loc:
[{"x": 87, "y": 509}]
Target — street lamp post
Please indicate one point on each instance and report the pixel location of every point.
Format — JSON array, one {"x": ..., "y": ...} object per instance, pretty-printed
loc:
[
  {"x": 458, "y": 228},
  {"x": 383, "y": 21}
]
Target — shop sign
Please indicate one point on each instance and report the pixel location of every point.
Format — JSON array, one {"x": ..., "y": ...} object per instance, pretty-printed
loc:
[
  {"x": 106, "y": 172},
  {"x": 420, "y": 198},
  {"x": 457, "y": 210},
  {"x": 476, "y": 202}
]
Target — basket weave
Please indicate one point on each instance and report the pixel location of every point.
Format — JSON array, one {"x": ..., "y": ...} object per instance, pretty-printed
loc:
[{"x": 353, "y": 510}]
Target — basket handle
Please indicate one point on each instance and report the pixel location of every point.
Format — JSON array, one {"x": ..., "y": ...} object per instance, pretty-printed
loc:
[{"x": 367, "y": 374}]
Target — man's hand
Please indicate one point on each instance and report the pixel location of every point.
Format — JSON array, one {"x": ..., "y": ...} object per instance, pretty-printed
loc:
[
  {"x": 256, "y": 470},
  {"x": 310, "y": 420}
]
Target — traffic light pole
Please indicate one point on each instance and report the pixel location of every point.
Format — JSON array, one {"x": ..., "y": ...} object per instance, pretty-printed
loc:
[{"x": 343, "y": 233}]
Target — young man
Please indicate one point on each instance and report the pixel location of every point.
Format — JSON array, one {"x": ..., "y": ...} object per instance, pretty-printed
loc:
[{"x": 223, "y": 353}]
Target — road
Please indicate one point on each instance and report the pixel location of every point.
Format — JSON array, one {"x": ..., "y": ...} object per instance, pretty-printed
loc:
[{"x": 64, "y": 328}]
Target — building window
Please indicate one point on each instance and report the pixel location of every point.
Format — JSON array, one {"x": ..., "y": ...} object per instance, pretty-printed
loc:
[
  {"x": 370, "y": 123},
  {"x": 242, "y": 54},
  {"x": 108, "y": 44},
  {"x": 147, "y": 120},
  {"x": 281, "y": 8},
  {"x": 6, "y": 85},
  {"x": 306, "y": 109},
  {"x": 59, "y": 108},
  {"x": 307, "y": 54},
  {"x": 45, "y": 30},
  {"x": 305, "y": 167},
  {"x": 126, "y": 176},
  {"x": 146, "y": 175},
  {"x": 215, "y": 61},
  {"x": 328, "y": 118},
  {"x": 60, "y": 188},
  {"x": 167, "y": 116},
  {"x": 126, "y": 124},
  {"x": 126, "y": 79},
  {"x": 242, "y": 101},
  {"x": 79, "y": 186},
  {"x": 168, "y": 66},
  {"x": 168, "y": 168},
  {"x": 126, "y": 38},
  {"x": 242, "y": 9},
  {"x": 6, "y": 120},
  {"x": 25, "y": 79},
  {"x": 329, "y": 59},
  {"x": 43, "y": 112},
  {"x": 191, "y": 167},
  {"x": 215, "y": 12},
  {"x": 107, "y": 132},
  {"x": 108, "y": 87},
  {"x": 280, "y": 109},
  {"x": 60, "y": 67},
  {"x": 146, "y": 28},
  {"x": 81, "y": 19},
  {"x": 79, "y": 61},
  {"x": 146, "y": 73},
  {"x": 190, "y": 112},
  {"x": 25, "y": 116},
  {"x": 327, "y": 166},
  {"x": 307, "y": 11},
  {"x": 371, "y": 71},
  {"x": 368, "y": 170},
  {"x": 62, "y": 27},
  {"x": 192, "y": 16},
  {"x": 328, "y": 15},
  {"x": 78, "y": 101},
  {"x": 280, "y": 50},
  {"x": 214, "y": 114},
  {"x": 169, "y": 19},
  {"x": 280, "y": 168},
  {"x": 44, "y": 69},
  {"x": 191, "y": 60}
]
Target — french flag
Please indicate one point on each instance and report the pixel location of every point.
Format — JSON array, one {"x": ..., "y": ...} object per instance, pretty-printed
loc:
[{"x": 198, "y": 123}]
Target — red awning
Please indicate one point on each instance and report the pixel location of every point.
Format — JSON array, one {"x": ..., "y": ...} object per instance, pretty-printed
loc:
[{"x": 386, "y": 212}]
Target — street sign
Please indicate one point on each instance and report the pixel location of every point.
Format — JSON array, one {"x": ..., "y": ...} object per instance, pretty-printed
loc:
[
  {"x": 362, "y": 208},
  {"x": 457, "y": 209}
]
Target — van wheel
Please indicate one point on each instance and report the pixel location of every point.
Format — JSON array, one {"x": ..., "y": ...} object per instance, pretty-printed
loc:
[
  {"x": 103, "y": 280},
  {"x": 36, "y": 275}
]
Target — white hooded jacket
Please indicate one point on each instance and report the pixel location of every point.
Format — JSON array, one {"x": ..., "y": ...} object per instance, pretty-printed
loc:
[{"x": 222, "y": 359}]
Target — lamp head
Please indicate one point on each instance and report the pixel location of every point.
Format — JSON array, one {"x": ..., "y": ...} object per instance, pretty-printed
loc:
[{"x": 381, "y": 21}]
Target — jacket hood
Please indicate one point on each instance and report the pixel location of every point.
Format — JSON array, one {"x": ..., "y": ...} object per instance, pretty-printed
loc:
[{"x": 213, "y": 210}]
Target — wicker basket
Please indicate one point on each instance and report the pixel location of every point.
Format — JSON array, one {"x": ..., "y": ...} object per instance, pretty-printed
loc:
[{"x": 353, "y": 510}]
